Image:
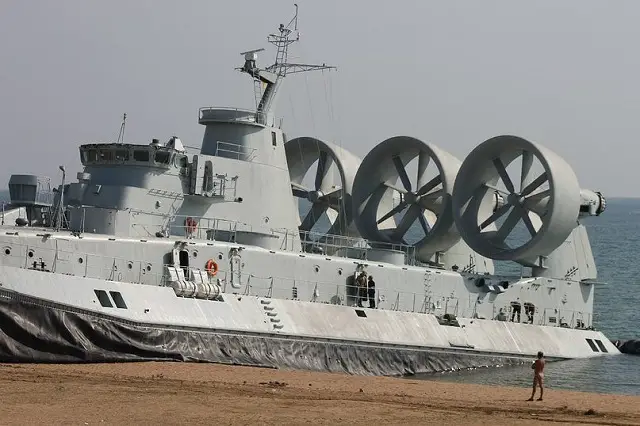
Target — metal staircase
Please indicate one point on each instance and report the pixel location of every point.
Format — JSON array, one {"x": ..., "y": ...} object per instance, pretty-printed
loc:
[{"x": 271, "y": 314}]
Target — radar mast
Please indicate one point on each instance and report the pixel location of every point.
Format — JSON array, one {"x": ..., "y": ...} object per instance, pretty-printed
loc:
[{"x": 267, "y": 81}]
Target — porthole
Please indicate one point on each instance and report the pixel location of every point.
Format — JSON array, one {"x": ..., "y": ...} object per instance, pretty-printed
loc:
[
  {"x": 148, "y": 268},
  {"x": 340, "y": 271},
  {"x": 30, "y": 253},
  {"x": 80, "y": 260},
  {"x": 130, "y": 265},
  {"x": 316, "y": 268},
  {"x": 220, "y": 257},
  {"x": 195, "y": 253},
  {"x": 7, "y": 251}
]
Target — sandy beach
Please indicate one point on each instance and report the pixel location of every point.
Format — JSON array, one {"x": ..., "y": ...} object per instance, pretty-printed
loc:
[{"x": 181, "y": 393}]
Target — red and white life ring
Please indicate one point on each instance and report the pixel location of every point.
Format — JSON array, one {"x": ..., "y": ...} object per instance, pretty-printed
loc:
[{"x": 211, "y": 267}]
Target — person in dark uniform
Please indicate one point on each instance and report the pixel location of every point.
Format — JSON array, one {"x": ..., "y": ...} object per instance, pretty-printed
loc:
[
  {"x": 361, "y": 289},
  {"x": 371, "y": 288}
]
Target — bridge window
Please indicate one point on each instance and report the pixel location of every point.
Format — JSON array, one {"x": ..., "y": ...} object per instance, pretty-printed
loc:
[
  {"x": 141, "y": 155},
  {"x": 89, "y": 156},
  {"x": 162, "y": 157},
  {"x": 122, "y": 155},
  {"x": 273, "y": 138},
  {"x": 106, "y": 155}
]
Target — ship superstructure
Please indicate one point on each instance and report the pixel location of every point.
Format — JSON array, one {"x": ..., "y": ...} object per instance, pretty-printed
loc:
[{"x": 156, "y": 252}]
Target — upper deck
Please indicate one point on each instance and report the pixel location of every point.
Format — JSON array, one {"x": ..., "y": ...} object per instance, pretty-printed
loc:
[{"x": 209, "y": 115}]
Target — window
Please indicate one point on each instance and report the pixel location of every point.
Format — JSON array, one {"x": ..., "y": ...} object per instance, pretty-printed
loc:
[
  {"x": 122, "y": 155},
  {"x": 103, "y": 298},
  {"x": 601, "y": 346},
  {"x": 592, "y": 345},
  {"x": 361, "y": 313},
  {"x": 106, "y": 155},
  {"x": 273, "y": 138},
  {"x": 117, "y": 298},
  {"x": 92, "y": 156},
  {"x": 141, "y": 155},
  {"x": 162, "y": 157}
]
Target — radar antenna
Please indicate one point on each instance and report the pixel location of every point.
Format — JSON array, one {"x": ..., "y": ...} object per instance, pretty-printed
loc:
[{"x": 268, "y": 80}]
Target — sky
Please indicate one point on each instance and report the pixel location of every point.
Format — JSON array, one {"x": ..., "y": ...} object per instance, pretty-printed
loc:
[{"x": 454, "y": 73}]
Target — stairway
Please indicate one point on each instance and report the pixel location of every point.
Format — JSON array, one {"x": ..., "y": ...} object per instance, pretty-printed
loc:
[{"x": 271, "y": 313}]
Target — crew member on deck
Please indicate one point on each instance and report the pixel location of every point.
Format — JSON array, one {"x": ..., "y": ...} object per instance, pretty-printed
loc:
[
  {"x": 372, "y": 292},
  {"x": 361, "y": 288}
]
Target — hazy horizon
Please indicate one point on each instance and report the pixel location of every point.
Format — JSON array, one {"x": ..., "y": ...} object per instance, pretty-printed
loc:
[{"x": 452, "y": 73}]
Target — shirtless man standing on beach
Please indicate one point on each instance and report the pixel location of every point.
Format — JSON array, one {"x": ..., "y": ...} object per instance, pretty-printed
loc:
[{"x": 538, "y": 375}]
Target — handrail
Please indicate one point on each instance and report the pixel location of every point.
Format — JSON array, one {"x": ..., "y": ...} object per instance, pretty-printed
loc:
[
  {"x": 244, "y": 115},
  {"x": 318, "y": 291},
  {"x": 336, "y": 245}
]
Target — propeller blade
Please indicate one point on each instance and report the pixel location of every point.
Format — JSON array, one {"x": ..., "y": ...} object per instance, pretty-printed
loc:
[
  {"x": 394, "y": 187},
  {"x": 300, "y": 193},
  {"x": 527, "y": 221},
  {"x": 534, "y": 185},
  {"x": 501, "y": 211},
  {"x": 504, "y": 175},
  {"x": 397, "y": 209},
  {"x": 424, "y": 224},
  {"x": 507, "y": 226},
  {"x": 334, "y": 193},
  {"x": 423, "y": 163},
  {"x": 430, "y": 185},
  {"x": 407, "y": 220},
  {"x": 527, "y": 162},
  {"x": 299, "y": 186},
  {"x": 402, "y": 173},
  {"x": 312, "y": 216},
  {"x": 321, "y": 171},
  {"x": 538, "y": 196}
]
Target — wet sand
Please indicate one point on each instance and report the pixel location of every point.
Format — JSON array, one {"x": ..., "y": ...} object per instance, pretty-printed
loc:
[{"x": 189, "y": 393}]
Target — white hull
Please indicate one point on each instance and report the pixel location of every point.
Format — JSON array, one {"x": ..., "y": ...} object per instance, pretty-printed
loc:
[{"x": 68, "y": 324}]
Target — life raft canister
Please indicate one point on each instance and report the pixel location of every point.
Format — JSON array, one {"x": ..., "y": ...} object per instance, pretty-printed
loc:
[
  {"x": 211, "y": 267},
  {"x": 191, "y": 225}
]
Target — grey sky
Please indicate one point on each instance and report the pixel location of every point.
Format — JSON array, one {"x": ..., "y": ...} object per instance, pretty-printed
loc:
[{"x": 563, "y": 73}]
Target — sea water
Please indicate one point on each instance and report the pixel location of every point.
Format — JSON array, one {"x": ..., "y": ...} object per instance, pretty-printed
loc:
[{"x": 615, "y": 239}]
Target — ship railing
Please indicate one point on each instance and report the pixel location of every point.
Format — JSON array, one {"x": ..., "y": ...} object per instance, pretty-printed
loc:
[
  {"x": 70, "y": 262},
  {"x": 327, "y": 292},
  {"x": 208, "y": 228},
  {"x": 228, "y": 150},
  {"x": 566, "y": 318},
  {"x": 180, "y": 225},
  {"x": 121, "y": 269},
  {"x": 240, "y": 115},
  {"x": 340, "y": 245},
  {"x": 235, "y": 151}
]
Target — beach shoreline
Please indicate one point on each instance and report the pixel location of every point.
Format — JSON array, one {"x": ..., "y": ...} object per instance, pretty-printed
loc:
[{"x": 199, "y": 393}]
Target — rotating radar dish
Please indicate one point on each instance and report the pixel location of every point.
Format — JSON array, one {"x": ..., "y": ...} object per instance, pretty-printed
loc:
[
  {"x": 329, "y": 189},
  {"x": 422, "y": 212},
  {"x": 538, "y": 208}
]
